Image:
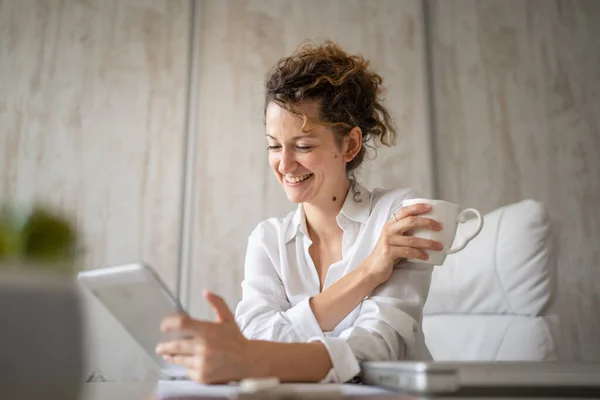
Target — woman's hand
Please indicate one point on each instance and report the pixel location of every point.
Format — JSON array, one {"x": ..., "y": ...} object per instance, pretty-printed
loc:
[
  {"x": 215, "y": 352},
  {"x": 396, "y": 242}
]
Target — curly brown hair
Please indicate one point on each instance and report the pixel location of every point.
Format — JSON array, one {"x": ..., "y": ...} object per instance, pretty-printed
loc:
[{"x": 347, "y": 92}]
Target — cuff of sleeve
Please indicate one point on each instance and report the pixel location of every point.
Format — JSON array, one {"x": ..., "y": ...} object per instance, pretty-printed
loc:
[
  {"x": 303, "y": 320},
  {"x": 345, "y": 364}
]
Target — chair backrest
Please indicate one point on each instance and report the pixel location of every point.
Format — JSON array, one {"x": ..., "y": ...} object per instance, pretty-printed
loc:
[{"x": 490, "y": 300}]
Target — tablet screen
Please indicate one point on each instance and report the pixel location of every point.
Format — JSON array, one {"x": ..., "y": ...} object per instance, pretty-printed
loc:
[{"x": 138, "y": 299}]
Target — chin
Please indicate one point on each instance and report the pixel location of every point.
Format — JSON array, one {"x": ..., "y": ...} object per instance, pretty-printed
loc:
[{"x": 295, "y": 195}]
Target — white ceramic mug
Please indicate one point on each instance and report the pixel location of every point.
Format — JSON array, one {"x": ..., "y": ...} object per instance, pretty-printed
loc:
[{"x": 448, "y": 214}]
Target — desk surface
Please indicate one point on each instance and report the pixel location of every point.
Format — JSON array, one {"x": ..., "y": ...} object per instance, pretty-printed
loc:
[
  {"x": 179, "y": 390},
  {"x": 152, "y": 391}
]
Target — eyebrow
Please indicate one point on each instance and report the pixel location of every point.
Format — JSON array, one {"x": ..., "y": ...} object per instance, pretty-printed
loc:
[{"x": 295, "y": 137}]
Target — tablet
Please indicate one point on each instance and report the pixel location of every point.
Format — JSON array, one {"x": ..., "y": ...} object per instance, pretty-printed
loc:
[{"x": 136, "y": 296}]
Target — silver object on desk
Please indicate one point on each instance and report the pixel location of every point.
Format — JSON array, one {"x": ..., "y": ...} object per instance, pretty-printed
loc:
[{"x": 510, "y": 378}]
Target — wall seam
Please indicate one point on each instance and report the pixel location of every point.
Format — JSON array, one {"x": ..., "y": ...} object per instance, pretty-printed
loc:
[
  {"x": 430, "y": 95},
  {"x": 189, "y": 162}
]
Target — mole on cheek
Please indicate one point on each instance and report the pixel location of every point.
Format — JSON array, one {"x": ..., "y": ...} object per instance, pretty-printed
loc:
[{"x": 334, "y": 198}]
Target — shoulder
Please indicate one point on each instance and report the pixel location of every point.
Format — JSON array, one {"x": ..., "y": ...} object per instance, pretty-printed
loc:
[
  {"x": 390, "y": 199},
  {"x": 271, "y": 229},
  {"x": 386, "y": 201}
]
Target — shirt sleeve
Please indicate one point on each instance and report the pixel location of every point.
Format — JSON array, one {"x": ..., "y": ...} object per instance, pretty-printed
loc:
[
  {"x": 388, "y": 327},
  {"x": 265, "y": 312}
]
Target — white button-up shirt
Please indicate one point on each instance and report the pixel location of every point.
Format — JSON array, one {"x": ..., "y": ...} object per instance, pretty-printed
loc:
[{"x": 280, "y": 278}]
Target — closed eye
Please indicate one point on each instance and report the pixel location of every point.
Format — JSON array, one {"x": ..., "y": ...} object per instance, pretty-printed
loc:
[
  {"x": 299, "y": 148},
  {"x": 304, "y": 148}
]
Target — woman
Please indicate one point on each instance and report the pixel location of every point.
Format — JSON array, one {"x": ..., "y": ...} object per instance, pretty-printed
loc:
[{"x": 320, "y": 292}]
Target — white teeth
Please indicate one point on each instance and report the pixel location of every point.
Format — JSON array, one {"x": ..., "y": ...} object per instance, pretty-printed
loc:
[{"x": 296, "y": 179}]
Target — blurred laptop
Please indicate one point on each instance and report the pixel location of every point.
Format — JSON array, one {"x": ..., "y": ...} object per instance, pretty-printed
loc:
[{"x": 486, "y": 378}]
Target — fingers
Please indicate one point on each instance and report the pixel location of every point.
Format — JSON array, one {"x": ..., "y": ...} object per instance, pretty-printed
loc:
[
  {"x": 176, "y": 323},
  {"x": 190, "y": 363},
  {"x": 178, "y": 347},
  {"x": 412, "y": 210},
  {"x": 407, "y": 218},
  {"x": 409, "y": 252},
  {"x": 410, "y": 223},
  {"x": 186, "y": 361},
  {"x": 218, "y": 304},
  {"x": 415, "y": 242},
  {"x": 183, "y": 323}
]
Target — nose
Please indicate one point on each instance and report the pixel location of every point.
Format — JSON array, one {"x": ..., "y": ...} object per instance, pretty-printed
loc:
[{"x": 287, "y": 162}]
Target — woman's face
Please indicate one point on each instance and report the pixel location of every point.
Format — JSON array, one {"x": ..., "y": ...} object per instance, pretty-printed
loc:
[{"x": 308, "y": 164}]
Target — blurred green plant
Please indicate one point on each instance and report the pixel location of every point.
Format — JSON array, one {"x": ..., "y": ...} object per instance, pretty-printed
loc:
[{"x": 37, "y": 239}]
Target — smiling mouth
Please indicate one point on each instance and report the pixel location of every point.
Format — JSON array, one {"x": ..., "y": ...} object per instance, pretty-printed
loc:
[{"x": 296, "y": 179}]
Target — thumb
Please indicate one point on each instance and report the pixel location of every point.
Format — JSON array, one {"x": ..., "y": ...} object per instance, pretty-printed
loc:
[{"x": 217, "y": 303}]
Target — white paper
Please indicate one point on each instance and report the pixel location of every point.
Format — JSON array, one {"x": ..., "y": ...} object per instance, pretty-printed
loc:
[{"x": 190, "y": 388}]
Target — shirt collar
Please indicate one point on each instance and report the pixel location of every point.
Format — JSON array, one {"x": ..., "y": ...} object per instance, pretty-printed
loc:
[{"x": 356, "y": 207}]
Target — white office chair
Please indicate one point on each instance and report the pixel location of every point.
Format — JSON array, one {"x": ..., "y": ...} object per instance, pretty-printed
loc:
[{"x": 490, "y": 301}]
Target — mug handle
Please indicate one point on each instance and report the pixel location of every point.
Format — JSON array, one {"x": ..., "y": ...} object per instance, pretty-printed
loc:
[{"x": 462, "y": 217}]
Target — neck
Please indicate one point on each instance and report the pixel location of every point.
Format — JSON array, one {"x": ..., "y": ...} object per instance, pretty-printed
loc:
[{"x": 321, "y": 217}]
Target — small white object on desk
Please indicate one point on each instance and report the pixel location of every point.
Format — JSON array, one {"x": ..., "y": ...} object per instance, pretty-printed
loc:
[
  {"x": 270, "y": 388},
  {"x": 255, "y": 385}
]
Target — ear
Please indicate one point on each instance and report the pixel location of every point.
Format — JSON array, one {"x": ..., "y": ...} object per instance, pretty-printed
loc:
[{"x": 352, "y": 144}]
